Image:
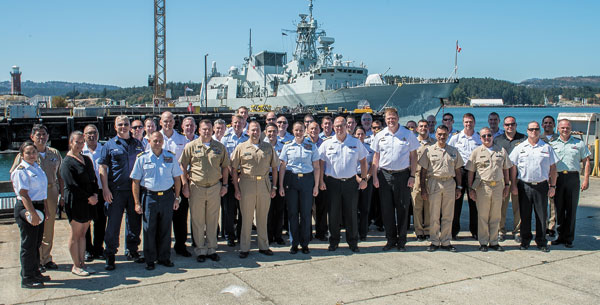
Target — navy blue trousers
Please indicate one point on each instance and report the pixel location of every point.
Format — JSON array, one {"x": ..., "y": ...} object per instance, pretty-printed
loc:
[
  {"x": 122, "y": 202},
  {"x": 158, "y": 216}
]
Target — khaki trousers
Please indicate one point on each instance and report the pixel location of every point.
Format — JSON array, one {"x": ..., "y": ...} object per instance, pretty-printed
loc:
[
  {"x": 551, "y": 220},
  {"x": 441, "y": 204},
  {"x": 489, "y": 209},
  {"x": 256, "y": 196},
  {"x": 48, "y": 239},
  {"x": 516, "y": 214},
  {"x": 205, "y": 205},
  {"x": 421, "y": 213}
]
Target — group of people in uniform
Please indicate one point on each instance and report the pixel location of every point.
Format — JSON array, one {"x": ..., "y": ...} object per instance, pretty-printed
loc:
[{"x": 344, "y": 175}]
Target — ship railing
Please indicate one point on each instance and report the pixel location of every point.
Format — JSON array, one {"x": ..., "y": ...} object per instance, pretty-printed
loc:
[{"x": 8, "y": 199}]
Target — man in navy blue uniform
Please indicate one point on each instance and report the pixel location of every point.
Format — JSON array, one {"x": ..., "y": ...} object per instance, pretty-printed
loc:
[{"x": 116, "y": 162}]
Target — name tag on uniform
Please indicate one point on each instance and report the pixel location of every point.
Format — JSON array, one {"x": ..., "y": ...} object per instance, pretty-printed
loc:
[
  {"x": 353, "y": 147},
  {"x": 308, "y": 146},
  {"x": 564, "y": 172},
  {"x": 574, "y": 147},
  {"x": 168, "y": 159},
  {"x": 258, "y": 178},
  {"x": 493, "y": 183}
]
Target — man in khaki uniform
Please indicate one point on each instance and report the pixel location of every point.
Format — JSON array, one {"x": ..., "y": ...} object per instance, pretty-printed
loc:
[
  {"x": 488, "y": 186},
  {"x": 49, "y": 160},
  {"x": 254, "y": 158},
  {"x": 421, "y": 207},
  {"x": 440, "y": 166},
  {"x": 204, "y": 162}
]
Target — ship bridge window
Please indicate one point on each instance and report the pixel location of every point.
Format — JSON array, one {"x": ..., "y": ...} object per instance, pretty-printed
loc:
[
  {"x": 267, "y": 58},
  {"x": 359, "y": 71},
  {"x": 339, "y": 70}
]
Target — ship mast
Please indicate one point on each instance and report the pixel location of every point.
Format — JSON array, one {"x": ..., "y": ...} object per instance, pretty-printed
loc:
[{"x": 306, "y": 51}]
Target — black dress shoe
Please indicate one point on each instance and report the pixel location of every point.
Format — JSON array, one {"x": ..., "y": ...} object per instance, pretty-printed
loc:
[
  {"x": 294, "y": 250},
  {"x": 569, "y": 244},
  {"x": 388, "y": 247},
  {"x": 267, "y": 252},
  {"x": 322, "y": 238},
  {"x": 214, "y": 257},
  {"x": 42, "y": 269},
  {"x": 110, "y": 263},
  {"x": 363, "y": 238},
  {"x": 31, "y": 284},
  {"x": 544, "y": 248},
  {"x": 380, "y": 229},
  {"x": 497, "y": 248},
  {"x": 475, "y": 237},
  {"x": 51, "y": 265},
  {"x": 183, "y": 252},
  {"x": 280, "y": 241},
  {"x": 523, "y": 247},
  {"x": 231, "y": 243},
  {"x": 88, "y": 257},
  {"x": 332, "y": 247},
  {"x": 150, "y": 266},
  {"x": 401, "y": 248},
  {"x": 41, "y": 278},
  {"x": 455, "y": 237},
  {"x": 420, "y": 237},
  {"x": 432, "y": 248},
  {"x": 201, "y": 258},
  {"x": 244, "y": 254},
  {"x": 136, "y": 257},
  {"x": 100, "y": 256},
  {"x": 166, "y": 263},
  {"x": 483, "y": 248},
  {"x": 427, "y": 237},
  {"x": 305, "y": 250},
  {"x": 354, "y": 249},
  {"x": 450, "y": 248}
]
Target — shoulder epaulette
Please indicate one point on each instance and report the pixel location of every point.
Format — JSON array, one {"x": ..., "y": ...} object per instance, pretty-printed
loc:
[
  {"x": 171, "y": 152},
  {"x": 20, "y": 167},
  {"x": 287, "y": 142},
  {"x": 138, "y": 155},
  {"x": 329, "y": 137}
]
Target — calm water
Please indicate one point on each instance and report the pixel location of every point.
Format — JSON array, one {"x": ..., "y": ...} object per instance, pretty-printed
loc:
[{"x": 523, "y": 116}]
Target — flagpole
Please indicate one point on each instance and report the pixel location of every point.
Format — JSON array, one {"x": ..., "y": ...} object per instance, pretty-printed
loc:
[{"x": 456, "y": 60}]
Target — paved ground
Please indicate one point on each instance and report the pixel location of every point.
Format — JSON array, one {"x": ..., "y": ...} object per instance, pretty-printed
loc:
[{"x": 563, "y": 276}]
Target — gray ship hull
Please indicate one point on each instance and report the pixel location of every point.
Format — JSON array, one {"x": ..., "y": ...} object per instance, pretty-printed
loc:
[{"x": 411, "y": 100}]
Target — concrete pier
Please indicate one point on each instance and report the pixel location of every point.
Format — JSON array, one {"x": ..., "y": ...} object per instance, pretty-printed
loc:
[{"x": 562, "y": 276}]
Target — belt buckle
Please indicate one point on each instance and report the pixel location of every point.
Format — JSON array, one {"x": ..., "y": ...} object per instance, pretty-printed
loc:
[
  {"x": 159, "y": 193},
  {"x": 534, "y": 183},
  {"x": 564, "y": 172},
  {"x": 300, "y": 175},
  {"x": 258, "y": 178},
  {"x": 493, "y": 183}
]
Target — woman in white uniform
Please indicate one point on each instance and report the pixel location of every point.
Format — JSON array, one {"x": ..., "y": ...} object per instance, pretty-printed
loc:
[{"x": 31, "y": 187}]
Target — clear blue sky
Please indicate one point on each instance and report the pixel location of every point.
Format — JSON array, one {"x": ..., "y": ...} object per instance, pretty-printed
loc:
[{"x": 111, "y": 42}]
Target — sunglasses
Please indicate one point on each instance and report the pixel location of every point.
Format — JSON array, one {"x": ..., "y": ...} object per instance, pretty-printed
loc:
[
  {"x": 533, "y": 129},
  {"x": 488, "y": 135},
  {"x": 446, "y": 120},
  {"x": 510, "y": 124},
  {"x": 137, "y": 127},
  {"x": 281, "y": 122}
]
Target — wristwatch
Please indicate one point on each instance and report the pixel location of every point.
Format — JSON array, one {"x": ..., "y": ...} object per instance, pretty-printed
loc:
[
  {"x": 459, "y": 187},
  {"x": 274, "y": 187},
  {"x": 178, "y": 198},
  {"x": 225, "y": 185}
]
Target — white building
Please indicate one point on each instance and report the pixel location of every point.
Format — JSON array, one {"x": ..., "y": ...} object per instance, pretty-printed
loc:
[{"x": 483, "y": 102}]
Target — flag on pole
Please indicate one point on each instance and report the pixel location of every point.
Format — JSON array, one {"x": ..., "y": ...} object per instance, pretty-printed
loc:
[{"x": 457, "y": 47}]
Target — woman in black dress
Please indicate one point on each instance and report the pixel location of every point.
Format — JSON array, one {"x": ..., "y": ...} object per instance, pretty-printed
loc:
[{"x": 81, "y": 193}]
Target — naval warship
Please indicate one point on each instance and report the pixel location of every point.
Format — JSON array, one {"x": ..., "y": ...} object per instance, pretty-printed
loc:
[{"x": 315, "y": 79}]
